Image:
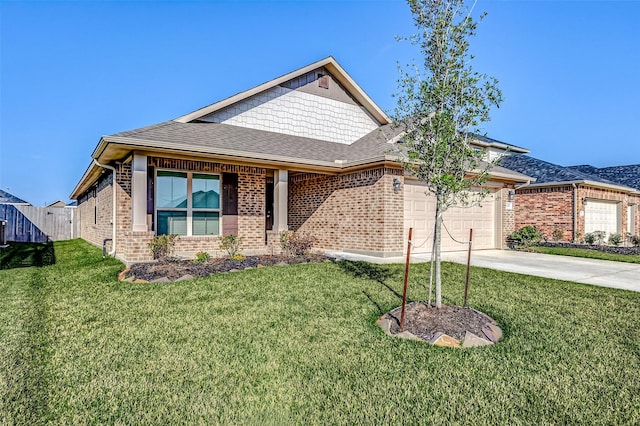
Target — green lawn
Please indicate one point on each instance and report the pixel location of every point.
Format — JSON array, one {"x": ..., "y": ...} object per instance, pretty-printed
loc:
[
  {"x": 591, "y": 254},
  {"x": 299, "y": 344},
  {"x": 20, "y": 255}
]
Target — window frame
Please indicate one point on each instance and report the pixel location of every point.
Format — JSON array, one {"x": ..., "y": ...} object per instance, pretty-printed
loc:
[{"x": 189, "y": 209}]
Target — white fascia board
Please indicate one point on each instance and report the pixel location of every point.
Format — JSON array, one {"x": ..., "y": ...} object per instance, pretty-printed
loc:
[
  {"x": 620, "y": 188},
  {"x": 329, "y": 62},
  {"x": 85, "y": 181}
]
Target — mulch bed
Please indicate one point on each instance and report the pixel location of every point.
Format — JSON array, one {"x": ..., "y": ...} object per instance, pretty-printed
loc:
[
  {"x": 425, "y": 322},
  {"x": 176, "y": 268}
]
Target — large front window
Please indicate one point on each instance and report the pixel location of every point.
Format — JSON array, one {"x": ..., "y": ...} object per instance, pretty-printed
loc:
[{"x": 187, "y": 203}]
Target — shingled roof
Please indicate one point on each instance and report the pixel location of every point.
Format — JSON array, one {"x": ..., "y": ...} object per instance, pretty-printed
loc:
[
  {"x": 625, "y": 175},
  {"x": 253, "y": 141},
  {"x": 547, "y": 173},
  {"x": 7, "y": 198},
  {"x": 194, "y": 135}
]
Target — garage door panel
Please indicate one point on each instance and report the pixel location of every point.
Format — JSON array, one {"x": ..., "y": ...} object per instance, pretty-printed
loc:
[
  {"x": 420, "y": 214},
  {"x": 601, "y": 216}
]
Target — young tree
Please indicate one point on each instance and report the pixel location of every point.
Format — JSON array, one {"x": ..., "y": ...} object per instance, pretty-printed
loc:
[{"x": 440, "y": 105}]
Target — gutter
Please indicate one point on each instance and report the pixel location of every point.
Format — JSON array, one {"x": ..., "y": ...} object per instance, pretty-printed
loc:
[{"x": 113, "y": 203}]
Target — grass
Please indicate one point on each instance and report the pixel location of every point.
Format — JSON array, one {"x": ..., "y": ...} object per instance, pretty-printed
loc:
[
  {"x": 591, "y": 254},
  {"x": 20, "y": 255},
  {"x": 299, "y": 344}
]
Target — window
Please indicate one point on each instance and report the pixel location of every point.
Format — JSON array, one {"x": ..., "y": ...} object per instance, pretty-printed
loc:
[{"x": 187, "y": 203}]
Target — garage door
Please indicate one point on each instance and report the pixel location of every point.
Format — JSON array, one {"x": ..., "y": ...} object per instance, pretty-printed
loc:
[
  {"x": 419, "y": 213},
  {"x": 601, "y": 216}
]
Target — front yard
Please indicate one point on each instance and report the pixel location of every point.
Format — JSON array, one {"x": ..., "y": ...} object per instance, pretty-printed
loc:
[{"x": 299, "y": 344}]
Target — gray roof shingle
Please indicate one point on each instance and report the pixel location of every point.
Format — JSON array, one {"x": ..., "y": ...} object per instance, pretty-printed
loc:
[
  {"x": 242, "y": 139},
  {"x": 546, "y": 172},
  {"x": 624, "y": 175},
  {"x": 7, "y": 198}
]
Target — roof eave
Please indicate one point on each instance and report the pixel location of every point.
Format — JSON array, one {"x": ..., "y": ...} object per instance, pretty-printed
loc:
[{"x": 620, "y": 188}]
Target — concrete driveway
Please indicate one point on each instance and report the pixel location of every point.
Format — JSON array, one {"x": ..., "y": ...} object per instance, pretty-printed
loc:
[{"x": 602, "y": 273}]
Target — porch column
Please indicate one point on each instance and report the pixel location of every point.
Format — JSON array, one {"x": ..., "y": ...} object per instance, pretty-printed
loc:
[
  {"x": 280, "y": 199},
  {"x": 139, "y": 192}
]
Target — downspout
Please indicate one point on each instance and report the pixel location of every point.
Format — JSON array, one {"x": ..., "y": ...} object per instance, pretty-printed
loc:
[
  {"x": 113, "y": 203},
  {"x": 575, "y": 212}
]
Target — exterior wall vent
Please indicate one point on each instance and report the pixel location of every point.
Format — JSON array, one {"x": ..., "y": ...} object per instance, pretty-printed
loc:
[{"x": 323, "y": 81}]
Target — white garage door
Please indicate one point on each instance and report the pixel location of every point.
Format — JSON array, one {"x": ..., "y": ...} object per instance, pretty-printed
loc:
[
  {"x": 419, "y": 213},
  {"x": 601, "y": 216}
]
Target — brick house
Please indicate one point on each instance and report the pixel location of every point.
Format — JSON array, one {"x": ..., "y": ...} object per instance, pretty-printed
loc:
[
  {"x": 573, "y": 200},
  {"x": 308, "y": 151}
]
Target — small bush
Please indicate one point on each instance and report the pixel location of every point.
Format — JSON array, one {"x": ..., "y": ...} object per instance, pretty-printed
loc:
[
  {"x": 595, "y": 237},
  {"x": 238, "y": 257},
  {"x": 557, "y": 235},
  {"x": 635, "y": 240},
  {"x": 526, "y": 236},
  {"x": 202, "y": 257},
  {"x": 161, "y": 246},
  {"x": 295, "y": 244},
  {"x": 231, "y": 244},
  {"x": 615, "y": 239}
]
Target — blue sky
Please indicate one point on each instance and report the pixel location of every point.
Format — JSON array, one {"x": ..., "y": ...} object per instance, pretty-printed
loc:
[{"x": 71, "y": 72}]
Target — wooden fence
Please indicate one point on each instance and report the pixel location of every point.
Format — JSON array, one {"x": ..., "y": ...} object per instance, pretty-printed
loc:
[{"x": 38, "y": 224}]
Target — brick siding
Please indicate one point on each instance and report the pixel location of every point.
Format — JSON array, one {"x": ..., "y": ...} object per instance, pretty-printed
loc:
[
  {"x": 552, "y": 208},
  {"x": 355, "y": 211},
  {"x": 546, "y": 208}
]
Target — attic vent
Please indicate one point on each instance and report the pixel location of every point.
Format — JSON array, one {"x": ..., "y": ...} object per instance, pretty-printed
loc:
[{"x": 323, "y": 81}]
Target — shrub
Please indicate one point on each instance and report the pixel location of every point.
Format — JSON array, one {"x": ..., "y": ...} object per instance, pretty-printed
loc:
[
  {"x": 635, "y": 240},
  {"x": 295, "y": 244},
  {"x": 238, "y": 257},
  {"x": 526, "y": 236},
  {"x": 202, "y": 257},
  {"x": 231, "y": 244},
  {"x": 595, "y": 237},
  {"x": 557, "y": 234},
  {"x": 589, "y": 238},
  {"x": 615, "y": 239},
  {"x": 161, "y": 246}
]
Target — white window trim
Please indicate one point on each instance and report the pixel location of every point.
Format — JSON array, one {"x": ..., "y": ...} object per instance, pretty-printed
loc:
[{"x": 189, "y": 208}]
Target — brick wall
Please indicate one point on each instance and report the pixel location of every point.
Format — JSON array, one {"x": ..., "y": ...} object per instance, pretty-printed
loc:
[
  {"x": 547, "y": 208},
  {"x": 356, "y": 211},
  {"x": 551, "y": 208},
  {"x": 251, "y": 208},
  {"x": 95, "y": 211}
]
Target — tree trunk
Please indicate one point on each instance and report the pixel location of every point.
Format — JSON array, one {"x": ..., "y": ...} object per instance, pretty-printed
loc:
[{"x": 437, "y": 239}]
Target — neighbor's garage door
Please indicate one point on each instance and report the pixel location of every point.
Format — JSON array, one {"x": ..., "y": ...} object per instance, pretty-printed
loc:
[
  {"x": 419, "y": 213},
  {"x": 601, "y": 216}
]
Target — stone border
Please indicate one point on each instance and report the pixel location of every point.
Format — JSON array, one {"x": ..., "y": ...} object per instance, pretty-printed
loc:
[{"x": 491, "y": 333}]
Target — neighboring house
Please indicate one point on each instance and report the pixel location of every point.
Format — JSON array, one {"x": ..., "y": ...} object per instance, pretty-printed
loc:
[
  {"x": 572, "y": 200},
  {"x": 8, "y": 198},
  {"x": 308, "y": 151},
  {"x": 624, "y": 175}
]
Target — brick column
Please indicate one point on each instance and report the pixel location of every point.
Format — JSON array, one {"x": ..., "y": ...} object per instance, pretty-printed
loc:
[
  {"x": 280, "y": 200},
  {"x": 139, "y": 193}
]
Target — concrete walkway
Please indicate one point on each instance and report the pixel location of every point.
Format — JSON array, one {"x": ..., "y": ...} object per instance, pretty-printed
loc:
[{"x": 602, "y": 273}]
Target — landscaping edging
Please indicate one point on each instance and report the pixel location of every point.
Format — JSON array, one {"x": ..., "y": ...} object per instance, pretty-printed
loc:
[
  {"x": 602, "y": 248},
  {"x": 489, "y": 334},
  {"x": 174, "y": 270}
]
